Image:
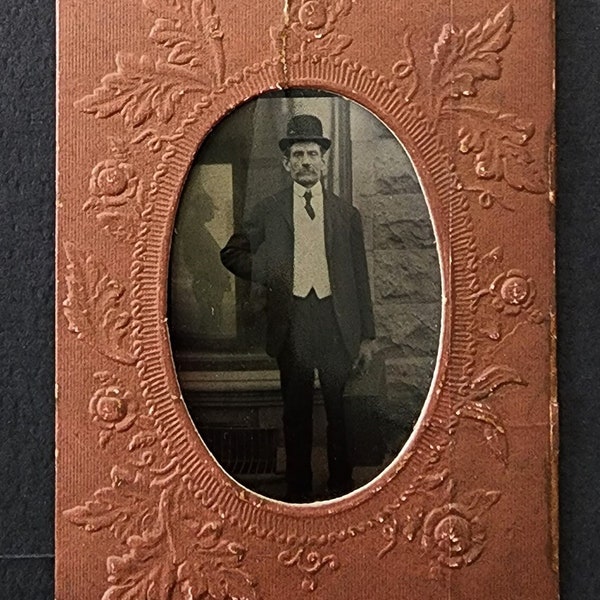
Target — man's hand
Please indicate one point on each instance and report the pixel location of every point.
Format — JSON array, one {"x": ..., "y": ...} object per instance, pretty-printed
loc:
[{"x": 365, "y": 356}]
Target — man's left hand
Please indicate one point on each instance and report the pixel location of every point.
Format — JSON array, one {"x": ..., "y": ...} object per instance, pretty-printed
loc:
[{"x": 365, "y": 356}]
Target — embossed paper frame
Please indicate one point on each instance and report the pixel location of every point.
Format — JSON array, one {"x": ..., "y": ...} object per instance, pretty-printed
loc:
[{"x": 468, "y": 509}]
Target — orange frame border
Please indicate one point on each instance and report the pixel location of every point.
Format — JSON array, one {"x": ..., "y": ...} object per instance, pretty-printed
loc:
[{"x": 143, "y": 511}]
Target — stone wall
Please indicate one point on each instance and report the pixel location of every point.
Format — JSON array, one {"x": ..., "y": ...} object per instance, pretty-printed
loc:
[{"x": 404, "y": 271}]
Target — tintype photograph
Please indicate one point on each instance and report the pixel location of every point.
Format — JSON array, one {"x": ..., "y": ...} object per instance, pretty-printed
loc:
[
  {"x": 304, "y": 295},
  {"x": 305, "y": 300}
]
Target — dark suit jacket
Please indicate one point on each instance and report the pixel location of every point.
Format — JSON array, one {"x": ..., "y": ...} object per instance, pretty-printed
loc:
[{"x": 264, "y": 252}]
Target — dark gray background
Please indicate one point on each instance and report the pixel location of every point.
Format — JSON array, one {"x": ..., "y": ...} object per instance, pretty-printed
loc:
[{"x": 26, "y": 296}]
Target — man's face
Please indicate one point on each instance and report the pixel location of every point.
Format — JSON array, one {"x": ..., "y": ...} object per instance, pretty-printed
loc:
[{"x": 306, "y": 163}]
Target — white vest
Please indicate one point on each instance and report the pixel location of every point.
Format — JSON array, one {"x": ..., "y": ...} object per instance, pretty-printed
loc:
[{"x": 310, "y": 258}]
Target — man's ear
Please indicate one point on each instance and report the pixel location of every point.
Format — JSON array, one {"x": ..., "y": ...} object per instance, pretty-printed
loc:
[{"x": 286, "y": 163}]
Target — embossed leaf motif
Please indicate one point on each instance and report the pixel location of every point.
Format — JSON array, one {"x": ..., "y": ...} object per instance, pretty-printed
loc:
[
  {"x": 432, "y": 482},
  {"x": 334, "y": 45},
  {"x": 170, "y": 34},
  {"x": 190, "y": 29},
  {"x": 499, "y": 145},
  {"x": 493, "y": 430},
  {"x": 463, "y": 58},
  {"x": 187, "y": 43},
  {"x": 156, "y": 565},
  {"x": 139, "y": 90},
  {"x": 170, "y": 556},
  {"x": 94, "y": 307},
  {"x": 492, "y": 378},
  {"x": 495, "y": 439},
  {"x": 143, "y": 439},
  {"x": 122, "y": 508},
  {"x": 213, "y": 567},
  {"x": 478, "y": 502},
  {"x": 343, "y": 7},
  {"x": 163, "y": 6},
  {"x": 143, "y": 571},
  {"x": 481, "y": 388}
]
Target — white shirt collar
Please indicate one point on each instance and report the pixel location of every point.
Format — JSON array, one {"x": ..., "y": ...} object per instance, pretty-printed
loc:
[{"x": 316, "y": 190}]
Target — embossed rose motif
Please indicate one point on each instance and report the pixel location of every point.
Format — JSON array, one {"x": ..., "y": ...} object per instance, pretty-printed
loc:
[
  {"x": 454, "y": 537},
  {"x": 113, "y": 409},
  {"x": 113, "y": 181},
  {"x": 512, "y": 292},
  {"x": 312, "y": 15},
  {"x": 116, "y": 197},
  {"x": 314, "y": 19}
]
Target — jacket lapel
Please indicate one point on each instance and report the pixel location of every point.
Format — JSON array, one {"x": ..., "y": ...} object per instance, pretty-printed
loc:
[
  {"x": 281, "y": 258},
  {"x": 333, "y": 220},
  {"x": 284, "y": 205}
]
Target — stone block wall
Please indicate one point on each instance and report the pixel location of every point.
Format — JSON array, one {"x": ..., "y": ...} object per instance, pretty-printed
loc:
[{"x": 404, "y": 271}]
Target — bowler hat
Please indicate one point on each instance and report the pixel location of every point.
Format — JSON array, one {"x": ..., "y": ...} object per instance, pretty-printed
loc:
[{"x": 304, "y": 128}]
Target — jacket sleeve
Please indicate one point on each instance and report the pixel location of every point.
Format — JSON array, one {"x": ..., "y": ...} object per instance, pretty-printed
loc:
[
  {"x": 361, "y": 277},
  {"x": 241, "y": 253}
]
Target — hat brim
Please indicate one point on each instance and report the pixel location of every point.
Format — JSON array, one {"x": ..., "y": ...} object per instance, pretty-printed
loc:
[{"x": 285, "y": 143}]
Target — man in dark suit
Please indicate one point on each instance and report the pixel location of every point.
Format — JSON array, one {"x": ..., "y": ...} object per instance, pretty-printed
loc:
[{"x": 306, "y": 247}]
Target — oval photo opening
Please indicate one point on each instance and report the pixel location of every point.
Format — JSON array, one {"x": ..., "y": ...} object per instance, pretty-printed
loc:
[{"x": 305, "y": 295}]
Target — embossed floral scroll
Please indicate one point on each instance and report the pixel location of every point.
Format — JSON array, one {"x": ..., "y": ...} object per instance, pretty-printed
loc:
[{"x": 467, "y": 509}]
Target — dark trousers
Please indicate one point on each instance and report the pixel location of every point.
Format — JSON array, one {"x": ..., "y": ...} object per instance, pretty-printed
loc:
[{"x": 314, "y": 342}]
